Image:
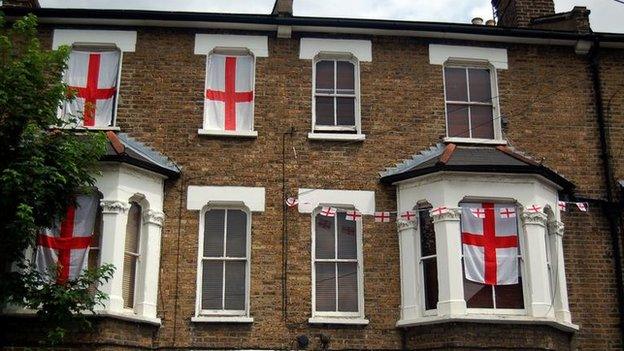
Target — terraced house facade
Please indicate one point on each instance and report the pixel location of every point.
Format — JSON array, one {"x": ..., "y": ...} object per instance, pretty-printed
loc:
[{"x": 253, "y": 160}]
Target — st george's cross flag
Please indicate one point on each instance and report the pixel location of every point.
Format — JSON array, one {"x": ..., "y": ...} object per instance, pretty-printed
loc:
[
  {"x": 92, "y": 77},
  {"x": 490, "y": 245},
  {"x": 229, "y": 93},
  {"x": 66, "y": 245}
]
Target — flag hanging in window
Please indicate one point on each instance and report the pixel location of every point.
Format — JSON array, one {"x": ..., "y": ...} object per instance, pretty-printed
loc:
[
  {"x": 229, "y": 93},
  {"x": 92, "y": 77},
  {"x": 490, "y": 245},
  {"x": 66, "y": 245}
]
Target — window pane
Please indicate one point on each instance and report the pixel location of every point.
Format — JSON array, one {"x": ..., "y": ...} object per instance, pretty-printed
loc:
[
  {"x": 236, "y": 242},
  {"x": 430, "y": 273},
  {"x": 127, "y": 285},
  {"x": 133, "y": 228},
  {"x": 482, "y": 122},
  {"x": 510, "y": 296},
  {"x": 345, "y": 111},
  {"x": 480, "y": 90},
  {"x": 347, "y": 287},
  {"x": 214, "y": 228},
  {"x": 455, "y": 84},
  {"x": 325, "y": 286},
  {"x": 325, "y": 77},
  {"x": 235, "y": 285},
  {"x": 324, "y": 111},
  {"x": 212, "y": 285},
  {"x": 457, "y": 120},
  {"x": 347, "y": 243},
  {"x": 324, "y": 240},
  {"x": 427, "y": 233},
  {"x": 477, "y": 295},
  {"x": 345, "y": 78}
]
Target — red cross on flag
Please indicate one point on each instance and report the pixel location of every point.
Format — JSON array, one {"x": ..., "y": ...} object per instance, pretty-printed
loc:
[
  {"x": 328, "y": 211},
  {"x": 508, "y": 212},
  {"x": 92, "y": 76},
  {"x": 383, "y": 217},
  {"x": 353, "y": 215},
  {"x": 582, "y": 206},
  {"x": 478, "y": 212},
  {"x": 66, "y": 245},
  {"x": 490, "y": 245},
  {"x": 408, "y": 215},
  {"x": 562, "y": 205},
  {"x": 229, "y": 93},
  {"x": 292, "y": 202}
]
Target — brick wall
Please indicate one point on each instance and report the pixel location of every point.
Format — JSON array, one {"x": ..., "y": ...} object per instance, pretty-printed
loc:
[{"x": 546, "y": 96}]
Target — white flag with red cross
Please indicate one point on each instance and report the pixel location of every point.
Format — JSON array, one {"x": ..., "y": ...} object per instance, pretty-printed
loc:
[
  {"x": 229, "y": 93},
  {"x": 66, "y": 245},
  {"x": 382, "y": 217},
  {"x": 92, "y": 77},
  {"x": 353, "y": 215},
  {"x": 490, "y": 245}
]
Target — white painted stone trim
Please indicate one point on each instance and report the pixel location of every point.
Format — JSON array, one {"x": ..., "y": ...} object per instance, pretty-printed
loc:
[
  {"x": 361, "y": 49},
  {"x": 488, "y": 318},
  {"x": 200, "y": 196},
  {"x": 336, "y": 137},
  {"x": 440, "y": 54},
  {"x": 222, "y": 319},
  {"x": 363, "y": 201},
  {"x": 229, "y": 133},
  {"x": 125, "y": 40},
  {"x": 345, "y": 321},
  {"x": 206, "y": 43}
]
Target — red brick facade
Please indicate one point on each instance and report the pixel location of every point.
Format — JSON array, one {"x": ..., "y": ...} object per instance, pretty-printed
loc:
[{"x": 546, "y": 98}]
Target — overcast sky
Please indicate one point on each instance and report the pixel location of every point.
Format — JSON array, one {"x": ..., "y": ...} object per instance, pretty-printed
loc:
[{"x": 606, "y": 15}]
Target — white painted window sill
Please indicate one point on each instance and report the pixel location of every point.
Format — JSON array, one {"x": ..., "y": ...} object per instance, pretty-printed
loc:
[
  {"x": 338, "y": 320},
  {"x": 221, "y": 319},
  {"x": 228, "y": 133},
  {"x": 126, "y": 316},
  {"x": 488, "y": 318},
  {"x": 336, "y": 136},
  {"x": 104, "y": 129},
  {"x": 475, "y": 141}
]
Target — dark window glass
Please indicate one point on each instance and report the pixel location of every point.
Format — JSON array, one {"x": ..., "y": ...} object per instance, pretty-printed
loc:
[
  {"x": 325, "y": 111},
  {"x": 458, "y": 120},
  {"x": 347, "y": 287},
  {"x": 482, "y": 123},
  {"x": 345, "y": 77},
  {"x": 428, "y": 248},
  {"x": 345, "y": 111},
  {"x": 325, "y": 76},
  {"x": 325, "y": 286},
  {"x": 480, "y": 89},
  {"x": 455, "y": 84}
]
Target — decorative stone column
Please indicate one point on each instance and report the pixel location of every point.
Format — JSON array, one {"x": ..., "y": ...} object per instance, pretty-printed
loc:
[
  {"x": 449, "y": 252},
  {"x": 534, "y": 224},
  {"x": 114, "y": 219},
  {"x": 410, "y": 297},
  {"x": 149, "y": 263},
  {"x": 560, "y": 291}
]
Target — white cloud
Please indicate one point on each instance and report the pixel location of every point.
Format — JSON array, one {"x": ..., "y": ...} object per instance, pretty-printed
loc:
[{"x": 606, "y": 15}]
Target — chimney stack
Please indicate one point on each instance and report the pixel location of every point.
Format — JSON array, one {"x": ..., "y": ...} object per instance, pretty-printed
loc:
[
  {"x": 519, "y": 13},
  {"x": 283, "y": 8}
]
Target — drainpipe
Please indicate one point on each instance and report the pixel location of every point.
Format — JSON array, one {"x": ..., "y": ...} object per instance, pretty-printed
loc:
[{"x": 611, "y": 207}]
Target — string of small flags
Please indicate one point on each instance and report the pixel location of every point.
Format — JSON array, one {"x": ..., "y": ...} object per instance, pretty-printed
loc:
[{"x": 385, "y": 216}]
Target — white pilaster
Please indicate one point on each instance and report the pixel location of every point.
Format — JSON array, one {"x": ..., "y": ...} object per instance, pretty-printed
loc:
[
  {"x": 410, "y": 300},
  {"x": 449, "y": 252},
  {"x": 562, "y": 309},
  {"x": 534, "y": 225},
  {"x": 114, "y": 218},
  {"x": 149, "y": 263}
]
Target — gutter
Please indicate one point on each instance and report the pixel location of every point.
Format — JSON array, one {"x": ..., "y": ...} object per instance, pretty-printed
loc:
[
  {"x": 611, "y": 207},
  {"x": 271, "y": 23}
]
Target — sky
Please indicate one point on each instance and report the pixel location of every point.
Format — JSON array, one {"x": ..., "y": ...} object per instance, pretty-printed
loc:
[{"x": 606, "y": 15}]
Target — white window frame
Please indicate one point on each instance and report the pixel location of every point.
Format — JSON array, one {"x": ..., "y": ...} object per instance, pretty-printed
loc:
[
  {"x": 356, "y": 95},
  {"x": 199, "y": 312},
  {"x": 138, "y": 274},
  {"x": 360, "y": 271},
  {"x": 238, "y": 52},
  {"x": 521, "y": 246},
  {"x": 420, "y": 259},
  {"x": 494, "y": 101}
]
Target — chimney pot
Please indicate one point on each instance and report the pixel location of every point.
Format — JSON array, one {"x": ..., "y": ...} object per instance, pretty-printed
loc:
[
  {"x": 477, "y": 21},
  {"x": 490, "y": 22}
]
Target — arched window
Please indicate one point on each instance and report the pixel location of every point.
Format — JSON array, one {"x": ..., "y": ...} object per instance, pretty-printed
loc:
[
  {"x": 428, "y": 262},
  {"x": 131, "y": 254},
  {"x": 490, "y": 230}
]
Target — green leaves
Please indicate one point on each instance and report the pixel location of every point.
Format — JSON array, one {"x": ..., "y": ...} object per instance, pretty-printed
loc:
[{"x": 40, "y": 171}]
